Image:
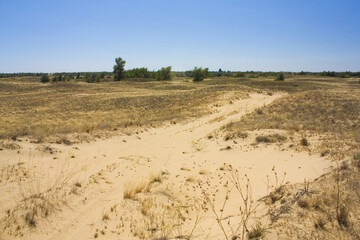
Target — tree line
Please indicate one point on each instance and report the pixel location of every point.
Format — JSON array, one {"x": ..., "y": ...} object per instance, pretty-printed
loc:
[{"x": 197, "y": 74}]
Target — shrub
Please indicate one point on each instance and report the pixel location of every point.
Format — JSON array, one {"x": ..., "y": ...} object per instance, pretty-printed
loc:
[
  {"x": 280, "y": 77},
  {"x": 199, "y": 74},
  {"x": 44, "y": 78},
  {"x": 138, "y": 73},
  {"x": 164, "y": 73},
  {"x": 93, "y": 78},
  {"x": 271, "y": 138},
  {"x": 239, "y": 74},
  {"x": 304, "y": 142}
]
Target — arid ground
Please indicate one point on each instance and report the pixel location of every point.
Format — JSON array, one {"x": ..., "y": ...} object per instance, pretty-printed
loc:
[{"x": 227, "y": 158}]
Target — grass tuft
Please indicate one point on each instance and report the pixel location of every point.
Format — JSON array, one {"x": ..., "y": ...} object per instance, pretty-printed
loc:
[{"x": 257, "y": 232}]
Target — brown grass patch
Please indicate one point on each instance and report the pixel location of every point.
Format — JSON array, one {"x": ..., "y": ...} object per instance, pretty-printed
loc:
[
  {"x": 320, "y": 111},
  {"x": 41, "y": 110}
]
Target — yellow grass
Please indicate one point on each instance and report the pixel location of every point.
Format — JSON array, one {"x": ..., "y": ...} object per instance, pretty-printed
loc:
[{"x": 29, "y": 108}]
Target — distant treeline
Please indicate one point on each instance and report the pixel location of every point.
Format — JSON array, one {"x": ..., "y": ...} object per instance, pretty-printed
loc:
[{"x": 166, "y": 73}]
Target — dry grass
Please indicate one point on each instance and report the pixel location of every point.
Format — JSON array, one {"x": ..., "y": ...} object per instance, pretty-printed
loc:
[
  {"x": 29, "y": 108},
  {"x": 131, "y": 189},
  {"x": 257, "y": 232},
  {"x": 270, "y": 138},
  {"x": 38, "y": 200},
  {"x": 326, "y": 208},
  {"x": 319, "y": 111},
  {"x": 321, "y": 210},
  {"x": 245, "y": 203},
  {"x": 160, "y": 214}
]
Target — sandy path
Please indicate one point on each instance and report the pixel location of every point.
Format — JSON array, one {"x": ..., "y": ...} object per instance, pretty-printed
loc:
[{"x": 119, "y": 160}]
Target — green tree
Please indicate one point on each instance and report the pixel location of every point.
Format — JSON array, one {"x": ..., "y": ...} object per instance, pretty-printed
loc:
[
  {"x": 44, "y": 78},
  {"x": 199, "y": 74},
  {"x": 280, "y": 77},
  {"x": 119, "y": 69},
  {"x": 57, "y": 78},
  {"x": 164, "y": 73},
  {"x": 206, "y": 72}
]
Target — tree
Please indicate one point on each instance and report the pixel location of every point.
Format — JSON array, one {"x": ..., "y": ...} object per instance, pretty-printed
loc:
[
  {"x": 44, "y": 78},
  {"x": 164, "y": 73},
  {"x": 199, "y": 74},
  {"x": 206, "y": 72},
  {"x": 78, "y": 75},
  {"x": 57, "y": 78},
  {"x": 280, "y": 77},
  {"x": 119, "y": 69},
  {"x": 138, "y": 73}
]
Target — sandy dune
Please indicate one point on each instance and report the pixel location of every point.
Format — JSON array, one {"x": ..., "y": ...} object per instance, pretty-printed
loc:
[{"x": 105, "y": 167}]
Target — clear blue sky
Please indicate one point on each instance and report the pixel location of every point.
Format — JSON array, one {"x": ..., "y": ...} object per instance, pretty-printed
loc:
[{"x": 87, "y": 35}]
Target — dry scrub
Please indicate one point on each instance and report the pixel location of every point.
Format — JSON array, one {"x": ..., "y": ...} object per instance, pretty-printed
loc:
[
  {"x": 320, "y": 210},
  {"x": 327, "y": 208},
  {"x": 158, "y": 213}
]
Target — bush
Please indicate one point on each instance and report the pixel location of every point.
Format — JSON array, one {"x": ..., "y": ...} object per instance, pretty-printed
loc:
[
  {"x": 93, "y": 78},
  {"x": 138, "y": 73},
  {"x": 199, "y": 74},
  {"x": 280, "y": 77},
  {"x": 164, "y": 73},
  {"x": 58, "y": 78},
  {"x": 271, "y": 138},
  {"x": 44, "y": 78},
  {"x": 304, "y": 142},
  {"x": 239, "y": 74}
]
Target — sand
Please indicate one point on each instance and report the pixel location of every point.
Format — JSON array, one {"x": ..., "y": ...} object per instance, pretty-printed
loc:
[{"x": 183, "y": 151}]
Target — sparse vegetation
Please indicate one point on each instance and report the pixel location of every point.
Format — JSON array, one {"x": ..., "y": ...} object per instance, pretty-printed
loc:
[
  {"x": 37, "y": 202},
  {"x": 155, "y": 211},
  {"x": 72, "y": 107},
  {"x": 280, "y": 77},
  {"x": 247, "y": 208},
  {"x": 321, "y": 111},
  {"x": 271, "y": 138}
]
